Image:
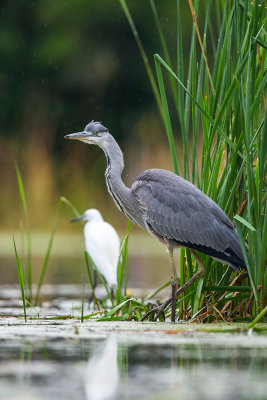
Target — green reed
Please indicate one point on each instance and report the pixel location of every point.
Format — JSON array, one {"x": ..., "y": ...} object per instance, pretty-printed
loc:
[
  {"x": 21, "y": 279},
  {"x": 61, "y": 201},
  {"x": 122, "y": 270},
  {"x": 28, "y": 232}
]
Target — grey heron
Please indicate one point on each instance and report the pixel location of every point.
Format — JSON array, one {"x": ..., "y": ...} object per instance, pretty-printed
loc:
[
  {"x": 168, "y": 207},
  {"x": 103, "y": 244}
]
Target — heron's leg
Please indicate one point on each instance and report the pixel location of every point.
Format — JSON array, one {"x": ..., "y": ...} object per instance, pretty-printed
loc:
[
  {"x": 201, "y": 267},
  {"x": 200, "y": 272},
  {"x": 174, "y": 278}
]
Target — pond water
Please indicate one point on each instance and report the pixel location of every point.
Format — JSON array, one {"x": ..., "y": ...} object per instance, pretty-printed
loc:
[{"x": 66, "y": 359}]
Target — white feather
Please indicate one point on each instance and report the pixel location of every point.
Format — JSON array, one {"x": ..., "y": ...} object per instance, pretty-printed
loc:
[{"x": 103, "y": 244}]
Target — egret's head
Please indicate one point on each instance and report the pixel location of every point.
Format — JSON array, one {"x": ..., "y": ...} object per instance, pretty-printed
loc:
[
  {"x": 94, "y": 133},
  {"x": 89, "y": 216}
]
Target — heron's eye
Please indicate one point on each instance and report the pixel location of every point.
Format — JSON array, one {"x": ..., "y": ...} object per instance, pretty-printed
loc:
[{"x": 95, "y": 133}]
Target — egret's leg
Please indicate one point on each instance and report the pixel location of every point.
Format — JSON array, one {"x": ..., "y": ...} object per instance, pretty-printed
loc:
[
  {"x": 200, "y": 272},
  {"x": 95, "y": 279},
  {"x": 91, "y": 298},
  {"x": 174, "y": 279}
]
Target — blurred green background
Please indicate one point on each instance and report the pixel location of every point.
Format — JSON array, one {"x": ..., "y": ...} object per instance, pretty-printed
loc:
[{"x": 64, "y": 63}]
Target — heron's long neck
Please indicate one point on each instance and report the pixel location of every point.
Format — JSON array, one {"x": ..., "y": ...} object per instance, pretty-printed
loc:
[{"x": 121, "y": 194}]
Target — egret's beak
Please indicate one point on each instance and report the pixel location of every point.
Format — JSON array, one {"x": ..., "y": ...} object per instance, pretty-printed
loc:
[
  {"x": 80, "y": 218},
  {"x": 77, "y": 135}
]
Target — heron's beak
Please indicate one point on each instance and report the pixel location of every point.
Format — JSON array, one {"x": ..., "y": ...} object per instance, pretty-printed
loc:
[
  {"x": 77, "y": 135},
  {"x": 80, "y": 218}
]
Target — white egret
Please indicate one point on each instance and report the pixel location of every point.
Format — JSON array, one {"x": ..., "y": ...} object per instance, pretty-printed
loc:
[{"x": 102, "y": 243}]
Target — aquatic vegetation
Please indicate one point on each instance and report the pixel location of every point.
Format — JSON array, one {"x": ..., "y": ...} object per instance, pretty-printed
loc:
[
  {"x": 29, "y": 292},
  {"x": 220, "y": 105},
  {"x": 29, "y": 249},
  {"x": 21, "y": 279}
]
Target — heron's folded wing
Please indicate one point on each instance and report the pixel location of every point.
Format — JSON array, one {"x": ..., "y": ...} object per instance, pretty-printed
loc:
[{"x": 176, "y": 209}]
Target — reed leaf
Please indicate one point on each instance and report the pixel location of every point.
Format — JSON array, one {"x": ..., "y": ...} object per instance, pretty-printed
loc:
[
  {"x": 28, "y": 232},
  {"x": 47, "y": 255},
  {"x": 21, "y": 279}
]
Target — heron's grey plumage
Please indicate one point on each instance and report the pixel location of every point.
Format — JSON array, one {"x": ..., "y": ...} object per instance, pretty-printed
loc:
[
  {"x": 166, "y": 205},
  {"x": 176, "y": 209}
]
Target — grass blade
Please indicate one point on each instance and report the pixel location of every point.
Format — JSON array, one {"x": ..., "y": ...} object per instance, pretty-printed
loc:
[
  {"x": 143, "y": 53},
  {"x": 166, "y": 117},
  {"x": 153, "y": 294},
  {"x": 69, "y": 204},
  {"x": 122, "y": 270},
  {"x": 244, "y": 222},
  {"x": 258, "y": 318},
  {"x": 29, "y": 246},
  {"x": 200, "y": 42},
  {"x": 21, "y": 280},
  {"x": 47, "y": 255}
]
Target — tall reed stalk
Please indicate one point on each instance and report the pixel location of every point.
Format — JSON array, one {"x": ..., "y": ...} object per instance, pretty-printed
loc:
[
  {"x": 21, "y": 279},
  {"x": 28, "y": 232}
]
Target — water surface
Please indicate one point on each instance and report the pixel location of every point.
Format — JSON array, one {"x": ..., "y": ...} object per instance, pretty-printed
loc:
[{"x": 67, "y": 359}]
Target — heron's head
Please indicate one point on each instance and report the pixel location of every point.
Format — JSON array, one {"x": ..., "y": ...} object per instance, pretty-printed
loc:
[
  {"x": 90, "y": 215},
  {"x": 94, "y": 133}
]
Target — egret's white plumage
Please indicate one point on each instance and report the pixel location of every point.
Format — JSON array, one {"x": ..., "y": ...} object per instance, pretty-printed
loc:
[{"x": 102, "y": 243}]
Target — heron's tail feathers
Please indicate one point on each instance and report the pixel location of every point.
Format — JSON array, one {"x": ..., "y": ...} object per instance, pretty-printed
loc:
[
  {"x": 236, "y": 251},
  {"x": 231, "y": 256}
]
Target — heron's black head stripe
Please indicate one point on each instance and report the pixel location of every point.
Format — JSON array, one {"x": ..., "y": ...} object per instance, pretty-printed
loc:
[{"x": 95, "y": 126}]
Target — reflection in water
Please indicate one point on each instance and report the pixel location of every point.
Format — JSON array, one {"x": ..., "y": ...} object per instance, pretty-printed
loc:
[
  {"x": 102, "y": 375},
  {"x": 66, "y": 360}
]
